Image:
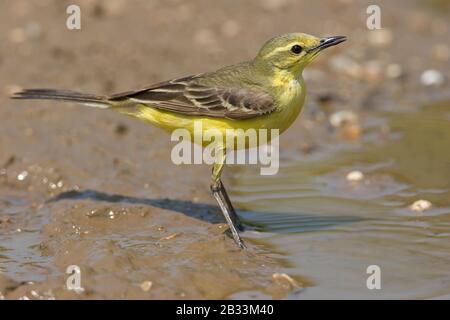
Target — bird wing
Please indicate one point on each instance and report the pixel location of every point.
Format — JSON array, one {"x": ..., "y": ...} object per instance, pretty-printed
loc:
[{"x": 188, "y": 96}]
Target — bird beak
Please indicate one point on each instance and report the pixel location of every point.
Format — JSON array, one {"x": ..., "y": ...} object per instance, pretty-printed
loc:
[{"x": 327, "y": 42}]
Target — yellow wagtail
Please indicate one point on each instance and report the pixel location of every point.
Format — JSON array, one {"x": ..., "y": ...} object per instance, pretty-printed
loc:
[{"x": 267, "y": 92}]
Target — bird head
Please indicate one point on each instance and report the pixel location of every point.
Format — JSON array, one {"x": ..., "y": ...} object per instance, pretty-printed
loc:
[{"x": 290, "y": 53}]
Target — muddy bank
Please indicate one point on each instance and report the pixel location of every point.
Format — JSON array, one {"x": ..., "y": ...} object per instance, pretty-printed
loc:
[{"x": 113, "y": 209}]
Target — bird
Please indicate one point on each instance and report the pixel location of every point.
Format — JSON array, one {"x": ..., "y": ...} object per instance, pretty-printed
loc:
[{"x": 266, "y": 92}]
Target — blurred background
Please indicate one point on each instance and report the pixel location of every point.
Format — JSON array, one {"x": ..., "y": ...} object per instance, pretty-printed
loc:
[{"x": 364, "y": 177}]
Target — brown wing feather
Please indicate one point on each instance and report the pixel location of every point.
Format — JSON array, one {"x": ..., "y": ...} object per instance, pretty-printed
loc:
[{"x": 186, "y": 96}]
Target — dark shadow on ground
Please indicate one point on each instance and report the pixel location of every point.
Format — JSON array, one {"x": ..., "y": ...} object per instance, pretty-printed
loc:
[{"x": 277, "y": 222}]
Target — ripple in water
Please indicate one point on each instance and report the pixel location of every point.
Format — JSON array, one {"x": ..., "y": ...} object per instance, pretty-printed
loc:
[{"x": 331, "y": 229}]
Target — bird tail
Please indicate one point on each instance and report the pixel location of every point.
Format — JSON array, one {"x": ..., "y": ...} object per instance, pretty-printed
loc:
[{"x": 90, "y": 100}]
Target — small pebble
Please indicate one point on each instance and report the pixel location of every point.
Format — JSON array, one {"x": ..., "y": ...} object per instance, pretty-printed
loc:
[
  {"x": 34, "y": 293},
  {"x": 5, "y": 220},
  {"x": 146, "y": 286},
  {"x": 394, "y": 71},
  {"x": 373, "y": 70},
  {"x": 170, "y": 237},
  {"x": 283, "y": 277},
  {"x": 22, "y": 176},
  {"x": 432, "y": 77},
  {"x": 352, "y": 131},
  {"x": 343, "y": 117},
  {"x": 348, "y": 124},
  {"x": 355, "y": 176},
  {"x": 420, "y": 206}
]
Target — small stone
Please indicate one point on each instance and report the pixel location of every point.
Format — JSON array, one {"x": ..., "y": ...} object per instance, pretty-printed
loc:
[
  {"x": 394, "y": 71},
  {"x": 343, "y": 117},
  {"x": 355, "y": 176},
  {"x": 170, "y": 237},
  {"x": 146, "y": 286},
  {"x": 432, "y": 77},
  {"x": 420, "y": 206},
  {"x": 351, "y": 132},
  {"x": 34, "y": 293},
  {"x": 285, "y": 280},
  {"x": 5, "y": 220},
  {"x": 373, "y": 71},
  {"x": 22, "y": 176}
]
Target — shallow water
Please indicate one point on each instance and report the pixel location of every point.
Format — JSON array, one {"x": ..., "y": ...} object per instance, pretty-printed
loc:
[
  {"x": 330, "y": 229},
  {"x": 19, "y": 247}
]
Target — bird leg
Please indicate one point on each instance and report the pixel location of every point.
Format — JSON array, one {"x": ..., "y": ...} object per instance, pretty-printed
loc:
[{"x": 221, "y": 196}]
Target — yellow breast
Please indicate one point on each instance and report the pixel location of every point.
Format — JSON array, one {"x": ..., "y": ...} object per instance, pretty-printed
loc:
[{"x": 290, "y": 99}]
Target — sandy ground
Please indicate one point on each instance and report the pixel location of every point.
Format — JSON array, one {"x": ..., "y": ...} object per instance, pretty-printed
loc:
[{"x": 96, "y": 189}]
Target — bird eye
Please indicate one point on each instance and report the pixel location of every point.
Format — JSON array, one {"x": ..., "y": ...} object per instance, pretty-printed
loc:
[{"x": 296, "y": 49}]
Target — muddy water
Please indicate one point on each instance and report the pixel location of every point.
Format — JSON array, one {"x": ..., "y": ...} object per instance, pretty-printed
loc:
[{"x": 331, "y": 229}]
